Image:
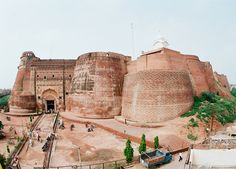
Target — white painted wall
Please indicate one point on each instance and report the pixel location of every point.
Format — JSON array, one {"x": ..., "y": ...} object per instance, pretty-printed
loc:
[{"x": 213, "y": 157}]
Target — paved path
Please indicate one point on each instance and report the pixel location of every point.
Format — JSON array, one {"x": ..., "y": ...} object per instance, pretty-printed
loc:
[
  {"x": 32, "y": 156},
  {"x": 134, "y": 133}
]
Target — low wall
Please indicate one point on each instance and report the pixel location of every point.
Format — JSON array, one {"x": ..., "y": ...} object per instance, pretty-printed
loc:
[{"x": 213, "y": 157}]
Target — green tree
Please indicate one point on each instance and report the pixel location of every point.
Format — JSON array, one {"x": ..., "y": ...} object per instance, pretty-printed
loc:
[
  {"x": 142, "y": 146},
  {"x": 4, "y": 100},
  {"x": 1, "y": 125},
  {"x": 233, "y": 91},
  {"x": 128, "y": 152},
  {"x": 209, "y": 107},
  {"x": 2, "y": 160},
  {"x": 156, "y": 142}
]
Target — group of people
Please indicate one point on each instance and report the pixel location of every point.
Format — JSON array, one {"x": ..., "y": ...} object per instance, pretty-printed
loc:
[
  {"x": 61, "y": 124},
  {"x": 32, "y": 135},
  {"x": 90, "y": 127}
]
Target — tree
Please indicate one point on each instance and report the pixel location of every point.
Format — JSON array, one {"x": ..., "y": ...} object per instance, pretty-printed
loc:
[
  {"x": 4, "y": 100},
  {"x": 156, "y": 142},
  {"x": 142, "y": 146},
  {"x": 128, "y": 152},
  {"x": 233, "y": 91},
  {"x": 1, "y": 125},
  {"x": 209, "y": 107},
  {"x": 2, "y": 161}
]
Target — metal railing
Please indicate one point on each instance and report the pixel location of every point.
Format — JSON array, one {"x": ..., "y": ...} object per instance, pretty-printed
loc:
[
  {"x": 117, "y": 164},
  {"x": 47, "y": 156}
]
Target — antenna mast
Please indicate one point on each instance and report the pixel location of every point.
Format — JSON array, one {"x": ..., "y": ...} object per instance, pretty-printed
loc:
[{"x": 132, "y": 36}]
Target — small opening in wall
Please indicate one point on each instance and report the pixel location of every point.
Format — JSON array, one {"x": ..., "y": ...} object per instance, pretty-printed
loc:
[
  {"x": 44, "y": 77},
  {"x": 67, "y": 93},
  {"x": 60, "y": 97},
  {"x": 52, "y": 75},
  {"x": 37, "y": 75},
  {"x": 70, "y": 76},
  {"x": 39, "y": 97}
]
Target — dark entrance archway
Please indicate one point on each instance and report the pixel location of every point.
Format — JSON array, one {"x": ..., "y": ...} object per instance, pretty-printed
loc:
[
  {"x": 50, "y": 105},
  {"x": 49, "y": 99}
]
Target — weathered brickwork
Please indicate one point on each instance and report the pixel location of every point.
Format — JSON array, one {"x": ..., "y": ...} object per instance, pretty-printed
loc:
[
  {"x": 39, "y": 81},
  {"x": 97, "y": 85},
  {"x": 157, "y": 86},
  {"x": 156, "y": 95}
]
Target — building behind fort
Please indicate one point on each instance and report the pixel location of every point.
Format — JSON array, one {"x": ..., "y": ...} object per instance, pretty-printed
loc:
[{"x": 159, "y": 85}]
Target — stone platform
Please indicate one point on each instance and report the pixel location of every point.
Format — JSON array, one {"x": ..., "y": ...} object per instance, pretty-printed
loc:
[
  {"x": 170, "y": 142},
  {"x": 21, "y": 114}
]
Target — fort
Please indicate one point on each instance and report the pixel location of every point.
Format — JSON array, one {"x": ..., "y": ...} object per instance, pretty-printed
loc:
[{"x": 158, "y": 86}]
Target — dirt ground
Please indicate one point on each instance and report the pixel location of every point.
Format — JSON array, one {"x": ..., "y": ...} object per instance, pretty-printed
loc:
[
  {"x": 82, "y": 147},
  {"x": 77, "y": 145},
  {"x": 18, "y": 125}
]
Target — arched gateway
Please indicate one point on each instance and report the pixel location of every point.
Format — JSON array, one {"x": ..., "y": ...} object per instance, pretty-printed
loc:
[{"x": 50, "y": 100}]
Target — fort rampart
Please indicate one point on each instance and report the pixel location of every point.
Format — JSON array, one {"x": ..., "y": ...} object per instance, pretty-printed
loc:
[{"x": 157, "y": 86}]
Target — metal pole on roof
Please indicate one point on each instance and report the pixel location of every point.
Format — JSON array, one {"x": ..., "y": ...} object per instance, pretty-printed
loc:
[{"x": 132, "y": 35}]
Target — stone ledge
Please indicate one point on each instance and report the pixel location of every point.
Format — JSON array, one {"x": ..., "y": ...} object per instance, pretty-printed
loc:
[{"x": 22, "y": 114}]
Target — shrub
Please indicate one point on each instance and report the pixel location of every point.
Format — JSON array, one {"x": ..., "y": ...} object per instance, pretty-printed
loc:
[
  {"x": 233, "y": 91},
  {"x": 192, "y": 137},
  {"x": 156, "y": 142},
  {"x": 1, "y": 125},
  {"x": 2, "y": 160},
  {"x": 193, "y": 123},
  {"x": 4, "y": 101},
  {"x": 142, "y": 146},
  {"x": 128, "y": 152}
]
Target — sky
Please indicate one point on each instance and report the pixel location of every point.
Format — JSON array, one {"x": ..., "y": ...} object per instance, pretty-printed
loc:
[{"x": 65, "y": 29}]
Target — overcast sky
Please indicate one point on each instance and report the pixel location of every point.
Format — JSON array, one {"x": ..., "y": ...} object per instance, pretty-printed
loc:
[{"x": 69, "y": 28}]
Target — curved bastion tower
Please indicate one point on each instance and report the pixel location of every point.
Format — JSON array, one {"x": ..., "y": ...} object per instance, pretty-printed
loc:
[
  {"x": 22, "y": 100},
  {"x": 157, "y": 86},
  {"x": 160, "y": 85},
  {"x": 151, "y": 96},
  {"x": 96, "y": 89}
]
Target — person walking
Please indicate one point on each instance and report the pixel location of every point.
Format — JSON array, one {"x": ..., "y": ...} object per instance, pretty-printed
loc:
[
  {"x": 8, "y": 149},
  {"x": 38, "y": 138},
  {"x": 180, "y": 157}
]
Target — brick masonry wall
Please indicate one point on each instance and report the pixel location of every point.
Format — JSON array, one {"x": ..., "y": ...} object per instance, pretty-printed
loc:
[
  {"x": 97, "y": 85},
  {"x": 223, "y": 80},
  {"x": 34, "y": 77},
  {"x": 156, "y": 95},
  {"x": 197, "y": 72}
]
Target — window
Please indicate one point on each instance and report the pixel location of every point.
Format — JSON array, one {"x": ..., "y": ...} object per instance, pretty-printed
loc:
[
  {"x": 37, "y": 75},
  {"x": 45, "y": 77},
  {"x": 52, "y": 75},
  {"x": 60, "y": 97},
  {"x": 39, "y": 97},
  {"x": 67, "y": 93},
  {"x": 69, "y": 76}
]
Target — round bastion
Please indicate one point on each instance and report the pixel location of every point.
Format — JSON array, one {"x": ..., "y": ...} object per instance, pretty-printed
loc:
[
  {"x": 152, "y": 96},
  {"x": 97, "y": 84}
]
